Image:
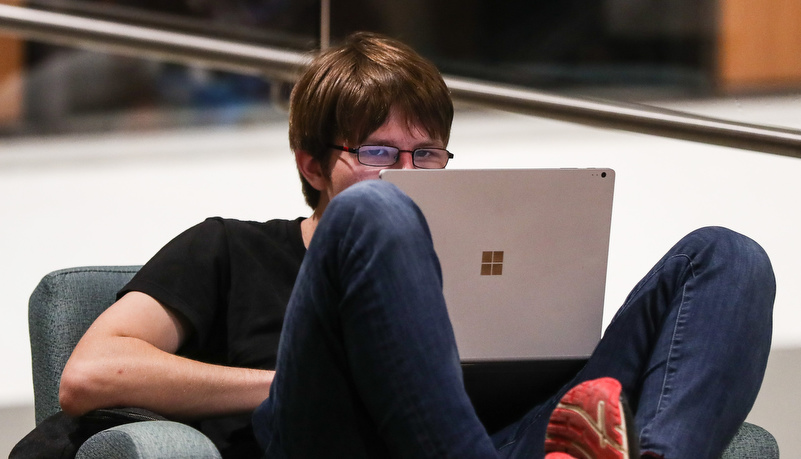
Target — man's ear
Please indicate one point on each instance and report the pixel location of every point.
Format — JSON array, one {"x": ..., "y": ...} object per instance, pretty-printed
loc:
[{"x": 311, "y": 169}]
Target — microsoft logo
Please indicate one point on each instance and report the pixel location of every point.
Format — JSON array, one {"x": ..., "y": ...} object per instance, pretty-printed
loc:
[{"x": 492, "y": 263}]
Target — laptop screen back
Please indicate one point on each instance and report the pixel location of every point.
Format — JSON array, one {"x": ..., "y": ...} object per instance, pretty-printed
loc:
[{"x": 523, "y": 254}]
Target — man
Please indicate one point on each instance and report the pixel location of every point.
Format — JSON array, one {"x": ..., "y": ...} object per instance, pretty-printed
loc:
[{"x": 367, "y": 364}]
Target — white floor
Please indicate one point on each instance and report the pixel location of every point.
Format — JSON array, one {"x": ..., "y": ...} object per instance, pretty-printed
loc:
[{"x": 116, "y": 199}]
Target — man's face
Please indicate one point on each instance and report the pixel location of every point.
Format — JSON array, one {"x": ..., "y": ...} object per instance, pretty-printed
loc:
[{"x": 346, "y": 168}]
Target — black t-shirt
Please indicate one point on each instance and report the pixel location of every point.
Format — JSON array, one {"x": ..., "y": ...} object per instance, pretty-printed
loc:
[{"x": 231, "y": 280}]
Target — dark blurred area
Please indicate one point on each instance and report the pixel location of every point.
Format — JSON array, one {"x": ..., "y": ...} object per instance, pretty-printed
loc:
[{"x": 586, "y": 46}]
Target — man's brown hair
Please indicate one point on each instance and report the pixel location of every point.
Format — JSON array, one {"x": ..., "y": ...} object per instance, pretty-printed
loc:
[{"x": 347, "y": 92}]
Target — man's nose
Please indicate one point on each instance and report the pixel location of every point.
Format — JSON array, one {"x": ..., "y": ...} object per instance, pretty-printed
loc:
[{"x": 405, "y": 160}]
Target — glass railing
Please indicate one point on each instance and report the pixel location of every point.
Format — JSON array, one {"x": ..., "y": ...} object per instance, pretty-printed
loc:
[{"x": 280, "y": 64}]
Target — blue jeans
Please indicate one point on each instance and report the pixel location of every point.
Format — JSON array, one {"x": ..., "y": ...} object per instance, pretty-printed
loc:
[{"x": 368, "y": 366}]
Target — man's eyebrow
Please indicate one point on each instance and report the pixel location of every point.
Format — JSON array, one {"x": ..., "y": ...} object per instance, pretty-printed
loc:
[{"x": 430, "y": 143}]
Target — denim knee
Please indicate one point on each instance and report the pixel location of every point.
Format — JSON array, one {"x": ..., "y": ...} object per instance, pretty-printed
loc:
[
  {"x": 376, "y": 207},
  {"x": 373, "y": 193},
  {"x": 733, "y": 249},
  {"x": 743, "y": 263}
]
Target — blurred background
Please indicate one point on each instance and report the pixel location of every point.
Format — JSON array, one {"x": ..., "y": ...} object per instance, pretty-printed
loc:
[{"x": 105, "y": 156}]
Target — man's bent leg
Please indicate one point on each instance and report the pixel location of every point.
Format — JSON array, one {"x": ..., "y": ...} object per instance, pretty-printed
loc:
[
  {"x": 689, "y": 346},
  {"x": 367, "y": 363},
  {"x": 710, "y": 355}
]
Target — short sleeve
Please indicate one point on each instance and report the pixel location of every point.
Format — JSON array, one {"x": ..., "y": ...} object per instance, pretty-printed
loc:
[{"x": 189, "y": 275}]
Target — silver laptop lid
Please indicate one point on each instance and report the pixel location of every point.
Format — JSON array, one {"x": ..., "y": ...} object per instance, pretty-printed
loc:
[{"x": 523, "y": 254}]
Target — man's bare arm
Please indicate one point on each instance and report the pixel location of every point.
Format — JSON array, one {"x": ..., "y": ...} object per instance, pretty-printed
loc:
[{"x": 127, "y": 358}]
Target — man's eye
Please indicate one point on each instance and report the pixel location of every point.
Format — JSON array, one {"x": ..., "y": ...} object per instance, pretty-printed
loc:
[{"x": 375, "y": 152}]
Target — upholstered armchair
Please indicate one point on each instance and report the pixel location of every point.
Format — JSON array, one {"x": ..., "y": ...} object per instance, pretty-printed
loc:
[{"x": 66, "y": 302}]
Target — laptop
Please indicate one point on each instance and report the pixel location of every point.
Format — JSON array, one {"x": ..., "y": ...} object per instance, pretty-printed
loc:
[{"x": 524, "y": 259}]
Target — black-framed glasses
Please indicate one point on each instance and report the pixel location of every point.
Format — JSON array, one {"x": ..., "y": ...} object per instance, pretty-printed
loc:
[{"x": 384, "y": 156}]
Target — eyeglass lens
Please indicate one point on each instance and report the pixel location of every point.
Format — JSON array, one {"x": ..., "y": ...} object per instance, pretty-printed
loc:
[{"x": 424, "y": 158}]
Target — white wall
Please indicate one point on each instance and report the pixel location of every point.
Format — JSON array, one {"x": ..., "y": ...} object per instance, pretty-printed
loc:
[{"x": 116, "y": 199}]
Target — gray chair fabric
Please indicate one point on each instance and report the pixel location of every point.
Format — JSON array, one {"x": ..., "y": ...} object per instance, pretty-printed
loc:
[
  {"x": 148, "y": 439},
  {"x": 61, "y": 308},
  {"x": 752, "y": 442},
  {"x": 66, "y": 302}
]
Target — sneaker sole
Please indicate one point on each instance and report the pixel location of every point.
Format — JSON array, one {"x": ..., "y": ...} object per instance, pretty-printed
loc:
[{"x": 592, "y": 421}]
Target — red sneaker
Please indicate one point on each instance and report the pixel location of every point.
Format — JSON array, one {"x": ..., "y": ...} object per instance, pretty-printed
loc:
[{"x": 592, "y": 421}]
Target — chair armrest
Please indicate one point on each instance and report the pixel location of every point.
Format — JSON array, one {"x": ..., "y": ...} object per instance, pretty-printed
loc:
[
  {"x": 752, "y": 442},
  {"x": 149, "y": 440}
]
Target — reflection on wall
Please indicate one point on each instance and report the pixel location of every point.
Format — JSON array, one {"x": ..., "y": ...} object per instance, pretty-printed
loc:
[
  {"x": 61, "y": 90},
  {"x": 73, "y": 90}
]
